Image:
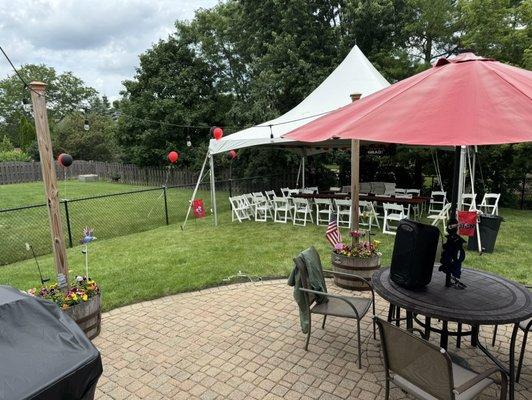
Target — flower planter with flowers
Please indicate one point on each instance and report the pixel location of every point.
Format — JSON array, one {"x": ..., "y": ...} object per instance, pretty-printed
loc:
[
  {"x": 361, "y": 258},
  {"x": 81, "y": 302}
]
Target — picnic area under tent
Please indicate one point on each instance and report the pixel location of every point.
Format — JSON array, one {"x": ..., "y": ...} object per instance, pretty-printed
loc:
[{"x": 354, "y": 75}]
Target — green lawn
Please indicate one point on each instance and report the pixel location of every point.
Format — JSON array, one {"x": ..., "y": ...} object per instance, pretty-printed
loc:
[
  {"x": 23, "y": 194},
  {"x": 109, "y": 216},
  {"x": 168, "y": 260}
]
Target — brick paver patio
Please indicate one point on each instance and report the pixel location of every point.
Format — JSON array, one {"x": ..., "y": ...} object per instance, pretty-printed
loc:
[{"x": 243, "y": 341}]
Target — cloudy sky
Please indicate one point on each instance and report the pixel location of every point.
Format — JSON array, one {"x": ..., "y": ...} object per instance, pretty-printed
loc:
[{"x": 98, "y": 40}]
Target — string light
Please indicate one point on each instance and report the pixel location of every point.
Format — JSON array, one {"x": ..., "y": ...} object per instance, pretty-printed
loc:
[{"x": 189, "y": 142}]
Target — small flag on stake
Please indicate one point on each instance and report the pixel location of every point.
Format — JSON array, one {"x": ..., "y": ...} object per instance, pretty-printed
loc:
[{"x": 333, "y": 234}]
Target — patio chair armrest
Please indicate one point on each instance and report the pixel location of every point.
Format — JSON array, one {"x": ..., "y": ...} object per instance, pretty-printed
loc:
[
  {"x": 332, "y": 296},
  {"x": 483, "y": 375}
]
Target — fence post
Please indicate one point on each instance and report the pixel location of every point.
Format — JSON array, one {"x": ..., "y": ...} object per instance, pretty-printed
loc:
[
  {"x": 67, "y": 216},
  {"x": 230, "y": 187},
  {"x": 165, "y": 206},
  {"x": 523, "y": 187}
]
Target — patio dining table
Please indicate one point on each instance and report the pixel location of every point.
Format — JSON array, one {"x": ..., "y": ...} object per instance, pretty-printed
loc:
[{"x": 487, "y": 299}]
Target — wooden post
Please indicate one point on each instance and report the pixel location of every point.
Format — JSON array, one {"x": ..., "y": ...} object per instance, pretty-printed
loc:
[
  {"x": 355, "y": 180},
  {"x": 37, "y": 90}
]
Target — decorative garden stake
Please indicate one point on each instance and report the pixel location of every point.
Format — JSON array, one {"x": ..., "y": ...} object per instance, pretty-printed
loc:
[{"x": 87, "y": 238}]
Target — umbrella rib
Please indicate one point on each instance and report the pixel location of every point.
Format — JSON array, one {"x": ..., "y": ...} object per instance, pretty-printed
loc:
[{"x": 507, "y": 82}]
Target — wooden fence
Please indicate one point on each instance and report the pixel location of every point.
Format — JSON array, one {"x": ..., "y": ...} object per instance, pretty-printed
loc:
[{"x": 19, "y": 172}]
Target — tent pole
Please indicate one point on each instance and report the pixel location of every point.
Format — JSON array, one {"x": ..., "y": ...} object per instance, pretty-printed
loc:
[
  {"x": 303, "y": 172},
  {"x": 472, "y": 179},
  {"x": 298, "y": 173},
  {"x": 355, "y": 177},
  {"x": 200, "y": 177},
  {"x": 213, "y": 190},
  {"x": 461, "y": 177}
]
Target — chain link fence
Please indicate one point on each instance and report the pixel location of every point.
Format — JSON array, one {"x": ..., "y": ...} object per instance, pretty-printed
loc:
[{"x": 116, "y": 214}]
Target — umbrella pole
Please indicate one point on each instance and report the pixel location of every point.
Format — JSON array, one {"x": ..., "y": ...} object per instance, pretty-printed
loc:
[{"x": 355, "y": 178}]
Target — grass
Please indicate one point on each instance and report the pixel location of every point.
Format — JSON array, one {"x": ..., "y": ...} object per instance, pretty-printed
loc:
[
  {"x": 109, "y": 216},
  {"x": 167, "y": 260},
  {"x": 24, "y": 194}
]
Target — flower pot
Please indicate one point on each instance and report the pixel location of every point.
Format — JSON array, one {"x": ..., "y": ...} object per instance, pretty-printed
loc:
[
  {"x": 363, "y": 267},
  {"x": 87, "y": 315}
]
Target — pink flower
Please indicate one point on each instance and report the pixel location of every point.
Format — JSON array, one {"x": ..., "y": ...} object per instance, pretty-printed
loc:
[
  {"x": 339, "y": 246},
  {"x": 355, "y": 234}
]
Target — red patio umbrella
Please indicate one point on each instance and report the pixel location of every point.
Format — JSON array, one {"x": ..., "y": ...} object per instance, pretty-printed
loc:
[{"x": 464, "y": 100}]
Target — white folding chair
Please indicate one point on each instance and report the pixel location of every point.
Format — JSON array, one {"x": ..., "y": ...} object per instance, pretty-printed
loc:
[
  {"x": 365, "y": 187},
  {"x": 239, "y": 209},
  {"x": 416, "y": 208},
  {"x": 442, "y": 216},
  {"x": 324, "y": 208},
  {"x": 399, "y": 191},
  {"x": 284, "y": 191},
  {"x": 392, "y": 212},
  {"x": 343, "y": 210},
  {"x": 313, "y": 188},
  {"x": 306, "y": 191},
  {"x": 438, "y": 200},
  {"x": 262, "y": 207},
  {"x": 302, "y": 209},
  {"x": 469, "y": 201},
  {"x": 335, "y": 189},
  {"x": 368, "y": 215},
  {"x": 291, "y": 192},
  {"x": 490, "y": 203},
  {"x": 282, "y": 209},
  {"x": 389, "y": 188},
  {"x": 413, "y": 192}
]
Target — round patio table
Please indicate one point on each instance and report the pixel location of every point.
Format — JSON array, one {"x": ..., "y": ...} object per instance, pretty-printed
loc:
[{"x": 487, "y": 300}]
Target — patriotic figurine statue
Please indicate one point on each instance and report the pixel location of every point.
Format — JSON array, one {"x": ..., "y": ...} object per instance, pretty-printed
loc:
[{"x": 88, "y": 237}]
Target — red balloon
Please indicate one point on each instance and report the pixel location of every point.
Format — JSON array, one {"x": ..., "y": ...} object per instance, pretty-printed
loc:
[
  {"x": 232, "y": 154},
  {"x": 217, "y": 132},
  {"x": 173, "y": 156},
  {"x": 65, "y": 160}
]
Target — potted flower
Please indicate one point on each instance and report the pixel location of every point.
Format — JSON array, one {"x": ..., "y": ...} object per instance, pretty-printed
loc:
[
  {"x": 81, "y": 302},
  {"x": 360, "y": 258}
]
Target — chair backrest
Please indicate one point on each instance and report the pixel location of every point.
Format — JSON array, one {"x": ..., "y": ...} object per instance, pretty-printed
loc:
[
  {"x": 419, "y": 362},
  {"x": 469, "y": 200},
  {"x": 389, "y": 188},
  {"x": 340, "y": 203},
  {"x": 445, "y": 209},
  {"x": 258, "y": 194},
  {"x": 403, "y": 196},
  {"x": 299, "y": 202},
  {"x": 415, "y": 192},
  {"x": 365, "y": 187},
  {"x": 380, "y": 187},
  {"x": 270, "y": 194},
  {"x": 280, "y": 202},
  {"x": 438, "y": 197},
  {"x": 364, "y": 205},
  {"x": 307, "y": 191},
  {"x": 327, "y": 202},
  {"x": 490, "y": 199},
  {"x": 292, "y": 192},
  {"x": 335, "y": 189},
  {"x": 285, "y": 191},
  {"x": 392, "y": 208},
  {"x": 399, "y": 191},
  {"x": 313, "y": 188}
]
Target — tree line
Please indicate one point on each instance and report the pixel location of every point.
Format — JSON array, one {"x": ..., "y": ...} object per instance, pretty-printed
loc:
[{"x": 243, "y": 62}]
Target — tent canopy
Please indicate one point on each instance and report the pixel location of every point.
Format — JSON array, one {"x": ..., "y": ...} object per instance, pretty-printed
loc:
[
  {"x": 355, "y": 74},
  {"x": 464, "y": 100}
]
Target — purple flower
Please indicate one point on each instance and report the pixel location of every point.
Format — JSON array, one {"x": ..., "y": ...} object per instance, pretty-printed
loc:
[{"x": 339, "y": 246}]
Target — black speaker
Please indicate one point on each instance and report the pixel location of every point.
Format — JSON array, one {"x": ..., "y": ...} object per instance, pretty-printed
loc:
[{"x": 414, "y": 252}]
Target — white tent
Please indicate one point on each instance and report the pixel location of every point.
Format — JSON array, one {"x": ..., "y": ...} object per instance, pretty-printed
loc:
[{"x": 355, "y": 74}]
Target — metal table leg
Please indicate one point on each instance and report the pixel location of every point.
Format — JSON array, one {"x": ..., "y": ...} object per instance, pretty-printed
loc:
[
  {"x": 444, "y": 338},
  {"x": 512, "y": 362}
]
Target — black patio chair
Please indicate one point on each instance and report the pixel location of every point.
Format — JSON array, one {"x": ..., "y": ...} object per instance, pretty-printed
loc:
[
  {"x": 426, "y": 371},
  {"x": 337, "y": 305},
  {"x": 525, "y": 326}
]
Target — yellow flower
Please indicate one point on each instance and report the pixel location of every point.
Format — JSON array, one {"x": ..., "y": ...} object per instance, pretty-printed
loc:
[
  {"x": 74, "y": 296},
  {"x": 84, "y": 297}
]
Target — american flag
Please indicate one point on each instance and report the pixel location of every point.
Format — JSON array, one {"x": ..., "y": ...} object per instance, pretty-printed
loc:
[{"x": 333, "y": 234}]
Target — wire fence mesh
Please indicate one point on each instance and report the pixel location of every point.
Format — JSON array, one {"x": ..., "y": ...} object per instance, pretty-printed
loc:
[{"x": 117, "y": 214}]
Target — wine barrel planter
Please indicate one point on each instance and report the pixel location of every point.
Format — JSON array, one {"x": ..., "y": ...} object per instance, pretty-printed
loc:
[
  {"x": 88, "y": 316},
  {"x": 363, "y": 267}
]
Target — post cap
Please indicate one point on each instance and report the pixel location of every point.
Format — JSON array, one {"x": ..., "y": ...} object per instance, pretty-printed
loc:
[
  {"x": 355, "y": 96},
  {"x": 37, "y": 86}
]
